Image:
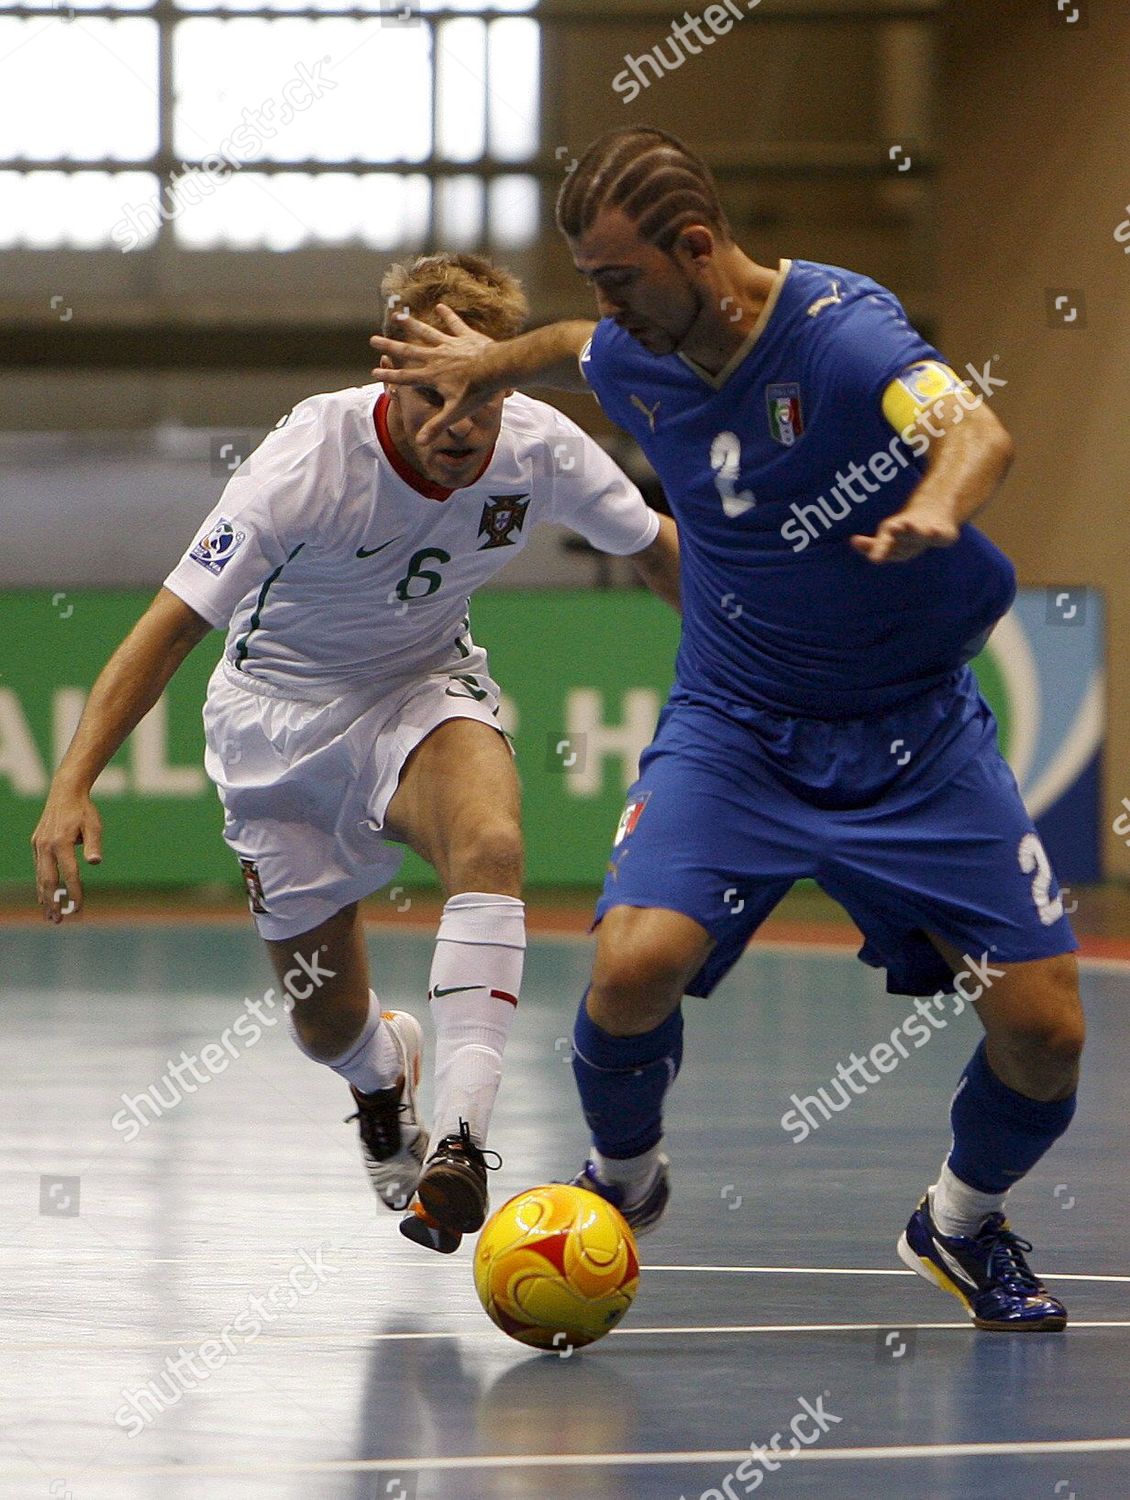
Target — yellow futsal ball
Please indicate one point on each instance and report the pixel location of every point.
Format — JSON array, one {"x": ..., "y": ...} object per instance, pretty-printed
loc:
[{"x": 556, "y": 1267}]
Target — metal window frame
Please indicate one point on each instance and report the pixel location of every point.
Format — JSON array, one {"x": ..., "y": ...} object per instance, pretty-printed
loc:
[
  {"x": 822, "y": 160},
  {"x": 164, "y": 164}
]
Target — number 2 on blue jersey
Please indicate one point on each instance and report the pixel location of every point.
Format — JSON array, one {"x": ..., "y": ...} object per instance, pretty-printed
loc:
[{"x": 726, "y": 461}]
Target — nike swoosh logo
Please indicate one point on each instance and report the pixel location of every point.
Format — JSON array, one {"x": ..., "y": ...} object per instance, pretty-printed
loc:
[
  {"x": 372, "y": 551},
  {"x": 459, "y": 989}
]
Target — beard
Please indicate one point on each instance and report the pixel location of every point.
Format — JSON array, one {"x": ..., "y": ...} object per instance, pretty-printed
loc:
[{"x": 698, "y": 307}]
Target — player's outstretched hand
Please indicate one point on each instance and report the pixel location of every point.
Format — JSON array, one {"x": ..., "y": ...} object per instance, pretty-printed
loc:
[
  {"x": 447, "y": 358},
  {"x": 69, "y": 819},
  {"x": 908, "y": 533}
]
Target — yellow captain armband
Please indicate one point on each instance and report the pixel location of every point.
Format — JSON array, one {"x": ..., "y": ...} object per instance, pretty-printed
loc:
[{"x": 916, "y": 390}]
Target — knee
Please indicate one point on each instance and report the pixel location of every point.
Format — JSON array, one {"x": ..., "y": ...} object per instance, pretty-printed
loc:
[
  {"x": 1048, "y": 1047},
  {"x": 1060, "y": 1039},
  {"x": 1052, "y": 1028},
  {"x": 487, "y": 857},
  {"x": 635, "y": 988},
  {"x": 645, "y": 958}
]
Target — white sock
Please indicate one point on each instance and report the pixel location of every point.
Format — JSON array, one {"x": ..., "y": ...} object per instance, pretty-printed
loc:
[
  {"x": 959, "y": 1209},
  {"x": 632, "y": 1173},
  {"x": 371, "y": 1062},
  {"x": 473, "y": 988}
]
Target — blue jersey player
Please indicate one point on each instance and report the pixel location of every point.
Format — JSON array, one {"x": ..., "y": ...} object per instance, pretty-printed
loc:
[{"x": 823, "y": 463}]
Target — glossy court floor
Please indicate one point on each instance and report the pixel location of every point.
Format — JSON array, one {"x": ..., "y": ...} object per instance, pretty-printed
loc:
[{"x": 773, "y": 1280}]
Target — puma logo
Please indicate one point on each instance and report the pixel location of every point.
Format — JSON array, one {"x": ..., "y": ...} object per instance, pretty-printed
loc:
[
  {"x": 823, "y": 302},
  {"x": 648, "y": 411}
]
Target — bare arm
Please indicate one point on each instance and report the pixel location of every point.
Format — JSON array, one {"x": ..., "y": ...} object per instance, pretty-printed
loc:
[
  {"x": 467, "y": 368},
  {"x": 970, "y": 453},
  {"x": 658, "y": 564},
  {"x": 127, "y": 688}
]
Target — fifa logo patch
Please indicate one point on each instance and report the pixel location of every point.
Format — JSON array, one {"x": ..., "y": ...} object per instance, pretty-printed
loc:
[
  {"x": 255, "y": 897},
  {"x": 633, "y": 812},
  {"x": 504, "y": 514},
  {"x": 786, "y": 420},
  {"x": 927, "y": 382},
  {"x": 217, "y": 547}
]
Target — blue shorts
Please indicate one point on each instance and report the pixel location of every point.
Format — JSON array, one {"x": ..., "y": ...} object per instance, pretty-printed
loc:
[{"x": 911, "y": 820}]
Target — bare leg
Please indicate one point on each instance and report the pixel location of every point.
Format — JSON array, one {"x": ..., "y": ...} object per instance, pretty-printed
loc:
[{"x": 334, "y": 1012}]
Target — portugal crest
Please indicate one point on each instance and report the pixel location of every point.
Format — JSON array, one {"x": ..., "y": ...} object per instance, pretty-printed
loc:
[
  {"x": 251, "y": 879},
  {"x": 786, "y": 421},
  {"x": 503, "y": 514}
]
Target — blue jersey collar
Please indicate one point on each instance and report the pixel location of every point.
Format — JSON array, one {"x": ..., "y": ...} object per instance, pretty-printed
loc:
[{"x": 716, "y": 382}]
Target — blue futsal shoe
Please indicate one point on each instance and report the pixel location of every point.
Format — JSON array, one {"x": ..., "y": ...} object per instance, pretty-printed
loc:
[
  {"x": 644, "y": 1211},
  {"x": 986, "y": 1272}
]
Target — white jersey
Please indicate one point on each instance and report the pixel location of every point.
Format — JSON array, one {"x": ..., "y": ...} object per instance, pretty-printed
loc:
[{"x": 335, "y": 567}]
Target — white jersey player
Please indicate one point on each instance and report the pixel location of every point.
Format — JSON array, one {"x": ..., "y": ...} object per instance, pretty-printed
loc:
[{"x": 352, "y": 713}]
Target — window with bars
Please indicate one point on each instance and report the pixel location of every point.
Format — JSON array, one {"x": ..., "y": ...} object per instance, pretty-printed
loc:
[{"x": 390, "y": 124}]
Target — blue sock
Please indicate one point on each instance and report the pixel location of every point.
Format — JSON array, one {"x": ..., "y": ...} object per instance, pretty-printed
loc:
[
  {"x": 998, "y": 1134},
  {"x": 622, "y": 1081}
]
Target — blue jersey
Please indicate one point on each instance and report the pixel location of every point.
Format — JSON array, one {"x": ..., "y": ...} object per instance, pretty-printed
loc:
[{"x": 770, "y": 467}]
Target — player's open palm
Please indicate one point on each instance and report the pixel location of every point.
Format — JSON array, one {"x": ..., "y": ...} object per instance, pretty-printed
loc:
[
  {"x": 908, "y": 533},
  {"x": 70, "y": 818},
  {"x": 448, "y": 359}
]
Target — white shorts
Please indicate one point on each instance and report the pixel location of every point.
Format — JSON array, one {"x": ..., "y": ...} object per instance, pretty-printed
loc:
[{"x": 305, "y": 786}]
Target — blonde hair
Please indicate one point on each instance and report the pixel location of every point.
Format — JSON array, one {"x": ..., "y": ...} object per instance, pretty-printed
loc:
[{"x": 486, "y": 296}]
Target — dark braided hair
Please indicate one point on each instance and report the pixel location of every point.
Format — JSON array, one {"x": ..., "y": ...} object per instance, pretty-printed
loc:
[{"x": 658, "y": 183}]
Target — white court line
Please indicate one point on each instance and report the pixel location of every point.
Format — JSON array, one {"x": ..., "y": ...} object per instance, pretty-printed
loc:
[
  {"x": 96, "y": 1253},
  {"x": 617, "y": 1460},
  {"x": 350, "y": 1337},
  {"x": 842, "y": 1327},
  {"x": 848, "y": 947},
  {"x": 1105, "y": 965},
  {"x": 851, "y": 1271},
  {"x": 1093, "y": 964},
  {"x": 831, "y": 949}
]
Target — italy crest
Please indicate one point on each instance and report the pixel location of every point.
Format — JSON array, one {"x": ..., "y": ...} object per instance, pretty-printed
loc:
[{"x": 786, "y": 421}]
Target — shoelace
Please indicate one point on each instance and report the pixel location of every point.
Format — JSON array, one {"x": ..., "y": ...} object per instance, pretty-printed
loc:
[
  {"x": 380, "y": 1125},
  {"x": 1007, "y": 1264},
  {"x": 474, "y": 1153}
]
